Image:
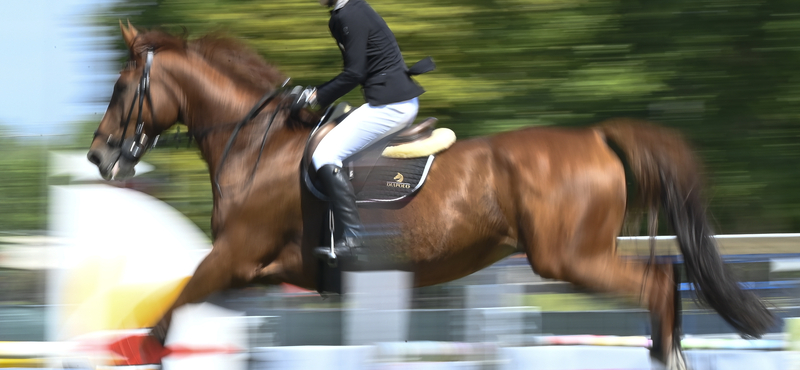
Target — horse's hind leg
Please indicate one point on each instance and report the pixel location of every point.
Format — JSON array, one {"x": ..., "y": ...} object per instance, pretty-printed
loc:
[
  {"x": 583, "y": 253},
  {"x": 667, "y": 348}
]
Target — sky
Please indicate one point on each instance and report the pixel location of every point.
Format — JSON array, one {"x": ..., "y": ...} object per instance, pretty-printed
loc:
[{"x": 56, "y": 69}]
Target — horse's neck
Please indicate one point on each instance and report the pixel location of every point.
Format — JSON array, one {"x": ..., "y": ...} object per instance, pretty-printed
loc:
[
  {"x": 263, "y": 140},
  {"x": 212, "y": 104},
  {"x": 209, "y": 98}
]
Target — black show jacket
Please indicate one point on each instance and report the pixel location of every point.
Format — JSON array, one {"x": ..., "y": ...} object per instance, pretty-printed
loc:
[{"x": 371, "y": 56}]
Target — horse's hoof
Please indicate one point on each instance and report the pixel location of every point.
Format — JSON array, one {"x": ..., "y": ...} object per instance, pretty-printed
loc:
[
  {"x": 139, "y": 349},
  {"x": 159, "y": 334}
]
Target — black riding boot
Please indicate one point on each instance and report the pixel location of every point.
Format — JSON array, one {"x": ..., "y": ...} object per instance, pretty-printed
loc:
[{"x": 343, "y": 201}]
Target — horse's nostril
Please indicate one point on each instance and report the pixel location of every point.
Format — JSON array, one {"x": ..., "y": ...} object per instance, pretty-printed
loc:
[{"x": 94, "y": 158}]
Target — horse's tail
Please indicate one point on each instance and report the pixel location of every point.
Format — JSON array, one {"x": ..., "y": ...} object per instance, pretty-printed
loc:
[{"x": 668, "y": 175}]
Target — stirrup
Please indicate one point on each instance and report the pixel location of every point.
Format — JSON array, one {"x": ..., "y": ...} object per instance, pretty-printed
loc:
[
  {"x": 328, "y": 254},
  {"x": 341, "y": 250}
]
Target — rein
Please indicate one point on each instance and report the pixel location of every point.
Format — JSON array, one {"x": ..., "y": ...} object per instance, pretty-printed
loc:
[{"x": 253, "y": 112}]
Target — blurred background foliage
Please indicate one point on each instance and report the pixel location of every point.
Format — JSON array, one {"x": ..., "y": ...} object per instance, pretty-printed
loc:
[{"x": 720, "y": 71}]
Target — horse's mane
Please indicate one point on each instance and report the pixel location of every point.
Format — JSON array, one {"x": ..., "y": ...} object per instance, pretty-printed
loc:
[{"x": 229, "y": 56}]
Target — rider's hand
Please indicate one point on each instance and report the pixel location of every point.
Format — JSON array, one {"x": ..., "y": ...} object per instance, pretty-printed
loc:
[
  {"x": 312, "y": 98},
  {"x": 302, "y": 98}
]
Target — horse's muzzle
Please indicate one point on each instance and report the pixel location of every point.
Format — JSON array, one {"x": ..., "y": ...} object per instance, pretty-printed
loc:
[{"x": 110, "y": 164}]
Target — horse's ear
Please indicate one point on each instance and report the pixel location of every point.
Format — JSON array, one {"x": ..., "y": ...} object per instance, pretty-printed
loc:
[{"x": 128, "y": 33}]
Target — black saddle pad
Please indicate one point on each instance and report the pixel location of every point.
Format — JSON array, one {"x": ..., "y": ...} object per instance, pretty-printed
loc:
[{"x": 393, "y": 179}]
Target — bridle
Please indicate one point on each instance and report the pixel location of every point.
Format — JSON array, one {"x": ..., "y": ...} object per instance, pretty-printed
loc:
[{"x": 133, "y": 148}]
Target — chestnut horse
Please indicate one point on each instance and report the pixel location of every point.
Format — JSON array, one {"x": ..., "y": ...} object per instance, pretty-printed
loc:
[{"x": 558, "y": 195}]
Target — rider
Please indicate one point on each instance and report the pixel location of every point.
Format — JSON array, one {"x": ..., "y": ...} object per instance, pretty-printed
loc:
[{"x": 372, "y": 59}]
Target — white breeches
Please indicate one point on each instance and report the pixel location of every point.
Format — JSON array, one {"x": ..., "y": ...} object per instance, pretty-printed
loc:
[{"x": 363, "y": 127}]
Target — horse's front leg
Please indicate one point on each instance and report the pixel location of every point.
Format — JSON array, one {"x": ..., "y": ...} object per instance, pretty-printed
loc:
[
  {"x": 289, "y": 267},
  {"x": 229, "y": 264}
]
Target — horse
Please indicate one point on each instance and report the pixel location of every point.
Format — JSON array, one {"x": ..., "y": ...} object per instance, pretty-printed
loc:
[{"x": 559, "y": 195}]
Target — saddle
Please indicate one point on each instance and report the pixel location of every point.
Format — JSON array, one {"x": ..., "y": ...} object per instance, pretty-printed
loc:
[{"x": 391, "y": 169}]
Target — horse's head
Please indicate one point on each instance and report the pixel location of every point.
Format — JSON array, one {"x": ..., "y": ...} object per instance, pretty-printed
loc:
[{"x": 141, "y": 107}]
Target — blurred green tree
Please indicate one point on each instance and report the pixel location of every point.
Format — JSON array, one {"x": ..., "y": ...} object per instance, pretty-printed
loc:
[
  {"x": 23, "y": 199},
  {"x": 720, "y": 71}
]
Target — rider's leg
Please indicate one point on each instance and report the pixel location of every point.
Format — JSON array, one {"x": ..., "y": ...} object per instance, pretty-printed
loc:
[
  {"x": 360, "y": 129},
  {"x": 343, "y": 202}
]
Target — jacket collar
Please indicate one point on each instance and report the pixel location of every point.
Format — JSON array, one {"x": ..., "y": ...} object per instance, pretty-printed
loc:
[{"x": 340, "y": 4}]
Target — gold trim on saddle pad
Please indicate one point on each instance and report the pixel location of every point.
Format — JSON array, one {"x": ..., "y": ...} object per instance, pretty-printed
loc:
[{"x": 440, "y": 139}]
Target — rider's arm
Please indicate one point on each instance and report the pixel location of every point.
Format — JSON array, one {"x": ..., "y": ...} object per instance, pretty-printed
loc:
[{"x": 351, "y": 33}]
